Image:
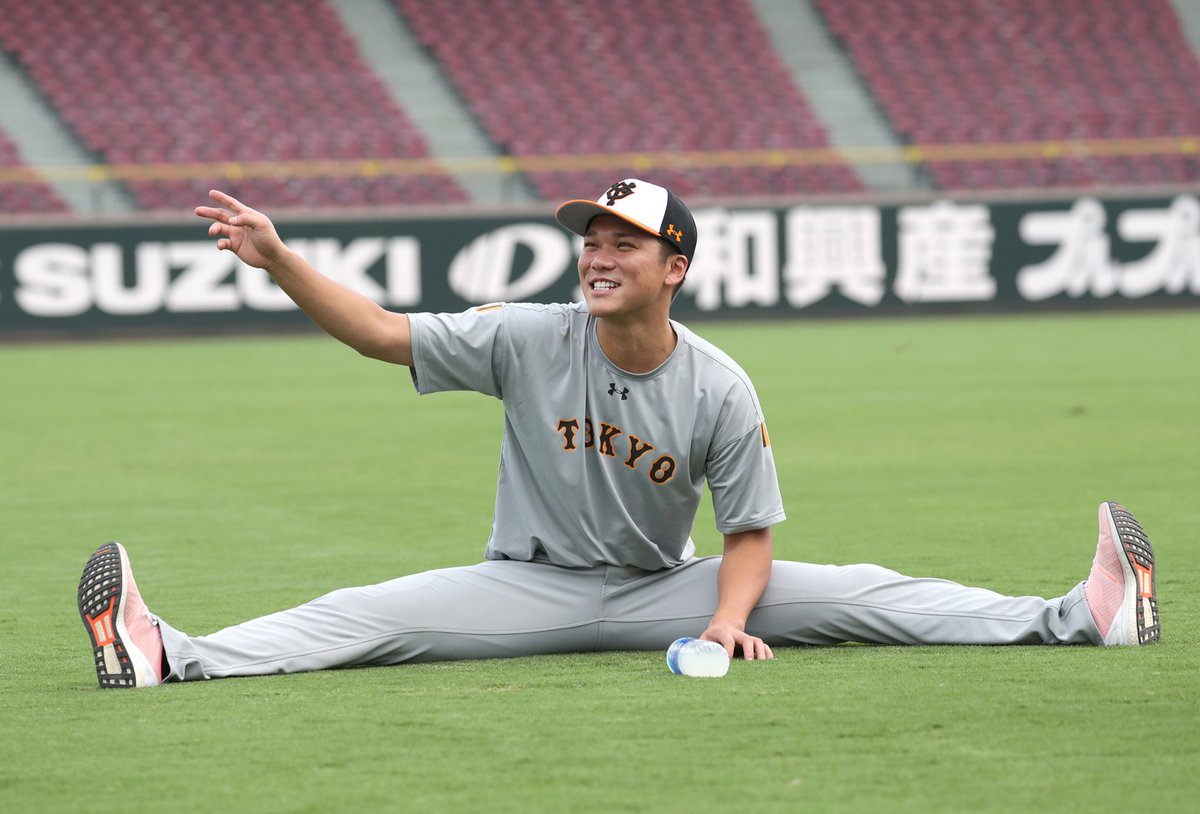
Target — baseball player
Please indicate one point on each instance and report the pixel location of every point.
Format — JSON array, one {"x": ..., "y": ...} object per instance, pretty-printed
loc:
[{"x": 615, "y": 418}]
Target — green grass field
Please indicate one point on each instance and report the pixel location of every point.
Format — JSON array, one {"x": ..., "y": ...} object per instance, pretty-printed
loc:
[{"x": 250, "y": 475}]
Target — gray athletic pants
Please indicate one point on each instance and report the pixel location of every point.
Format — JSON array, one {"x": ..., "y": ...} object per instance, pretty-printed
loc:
[{"x": 506, "y": 608}]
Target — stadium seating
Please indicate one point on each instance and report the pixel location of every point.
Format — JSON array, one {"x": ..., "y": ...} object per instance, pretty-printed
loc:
[
  {"x": 24, "y": 198},
  {"x": 174, "y": 82},
  {"x": 169, "y": 84},
  {"x": 980, "y": 71},
  {"x": 581, "y": 80}
]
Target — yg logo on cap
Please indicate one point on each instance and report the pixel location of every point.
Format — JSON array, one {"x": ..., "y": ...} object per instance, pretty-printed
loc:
[{"x": 619, "y": 190}]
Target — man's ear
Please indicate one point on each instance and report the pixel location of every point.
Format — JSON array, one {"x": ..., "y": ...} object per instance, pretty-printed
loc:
[{"x": 678, "y": 270}]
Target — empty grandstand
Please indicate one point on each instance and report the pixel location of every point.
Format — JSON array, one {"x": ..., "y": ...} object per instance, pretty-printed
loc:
[
  {"x": 562, "y": 78},
  {"x": 167, "y": 85},
  {"x": 953, "y": 72},
  {"x": 284, "y": 103}
]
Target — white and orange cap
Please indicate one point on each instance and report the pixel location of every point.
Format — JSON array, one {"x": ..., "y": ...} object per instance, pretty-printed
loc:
[{"x": 647, "y": 206}]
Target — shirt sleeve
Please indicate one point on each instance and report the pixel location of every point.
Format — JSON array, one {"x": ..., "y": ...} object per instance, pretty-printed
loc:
[
  {"x": 459, "y": 351},
  {"x": 741, "y": 473}
]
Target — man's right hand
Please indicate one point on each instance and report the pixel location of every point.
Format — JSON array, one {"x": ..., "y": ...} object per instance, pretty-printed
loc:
[
  {"x": 246, "y": 232},
  {"x": 342, "y": 312}
]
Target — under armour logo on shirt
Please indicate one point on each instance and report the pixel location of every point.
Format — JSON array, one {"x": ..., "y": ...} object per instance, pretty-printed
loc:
[
  {"x": 619, "y": 190},
  {"x": 623, "y": 392}
]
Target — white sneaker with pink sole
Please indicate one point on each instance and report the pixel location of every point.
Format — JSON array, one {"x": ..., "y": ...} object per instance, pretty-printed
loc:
[
  {"x": 1120, "y": 589},
  {"x": 125, "y": 638}
]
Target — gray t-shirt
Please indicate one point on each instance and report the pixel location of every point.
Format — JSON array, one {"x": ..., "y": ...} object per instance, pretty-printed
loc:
[{"x": 599, "y": 466}]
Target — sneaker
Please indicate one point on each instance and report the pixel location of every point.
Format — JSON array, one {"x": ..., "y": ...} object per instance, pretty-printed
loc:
[
  {"x": 125, "y": 637},
  {"x": 1120, "y": 589}
]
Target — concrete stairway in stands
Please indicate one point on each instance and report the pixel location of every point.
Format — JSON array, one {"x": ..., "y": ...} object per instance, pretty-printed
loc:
[
  {"x": 1188, "y": 12},
  {"x": 828, "y": 79},
  {"x": 44, "y": 142},
  {"x": 418, "y": 86}
]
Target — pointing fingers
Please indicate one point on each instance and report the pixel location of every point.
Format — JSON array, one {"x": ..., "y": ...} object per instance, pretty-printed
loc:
[
  {"x": 231, "y": 211},
  {"x": 246, "y": 232},
  {"x": 227, "y": 201}
]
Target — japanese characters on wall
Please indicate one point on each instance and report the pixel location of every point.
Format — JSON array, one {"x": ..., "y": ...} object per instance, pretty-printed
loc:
[
  {"x": 926, "y": 257},
  {"x": 870, "y": 258}
]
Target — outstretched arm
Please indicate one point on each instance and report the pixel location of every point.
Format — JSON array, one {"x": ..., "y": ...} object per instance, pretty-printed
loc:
[
  {"x": 741, "y": 580},
  {"x": 344, "y": 314}
]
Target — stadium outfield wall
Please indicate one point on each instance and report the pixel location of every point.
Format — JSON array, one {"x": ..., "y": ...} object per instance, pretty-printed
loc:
[{"x": 940, "y": 256}]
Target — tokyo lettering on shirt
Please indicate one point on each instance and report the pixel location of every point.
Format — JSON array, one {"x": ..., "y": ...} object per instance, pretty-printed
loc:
[{"x": 599, "y": 466}]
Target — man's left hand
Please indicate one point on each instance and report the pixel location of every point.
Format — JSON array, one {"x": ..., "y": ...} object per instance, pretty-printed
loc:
[{"x": 729, "y": 637}]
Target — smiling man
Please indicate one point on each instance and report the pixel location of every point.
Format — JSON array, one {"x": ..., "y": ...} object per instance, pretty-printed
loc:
[{"x": 616, "y": 417}]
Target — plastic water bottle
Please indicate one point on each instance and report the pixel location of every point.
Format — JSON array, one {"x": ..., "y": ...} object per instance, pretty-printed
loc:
[{"x": 697, "y": 658}]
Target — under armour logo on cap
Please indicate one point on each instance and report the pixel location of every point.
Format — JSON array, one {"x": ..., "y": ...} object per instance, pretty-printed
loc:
[
  {"x": 619, "y": 190},
  {"x": 674, "y": 233}
]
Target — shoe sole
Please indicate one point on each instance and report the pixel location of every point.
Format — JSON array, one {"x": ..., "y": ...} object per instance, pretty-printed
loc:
[
  {"x": 1137, "y": 561},
  {"x": 102, "y": 609}
]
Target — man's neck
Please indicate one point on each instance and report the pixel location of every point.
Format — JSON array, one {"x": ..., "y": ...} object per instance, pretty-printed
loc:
[{"x": 636, "y": 347}]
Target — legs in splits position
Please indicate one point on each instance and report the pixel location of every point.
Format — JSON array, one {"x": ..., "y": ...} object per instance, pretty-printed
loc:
[{"x": 507, "y": 608}]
